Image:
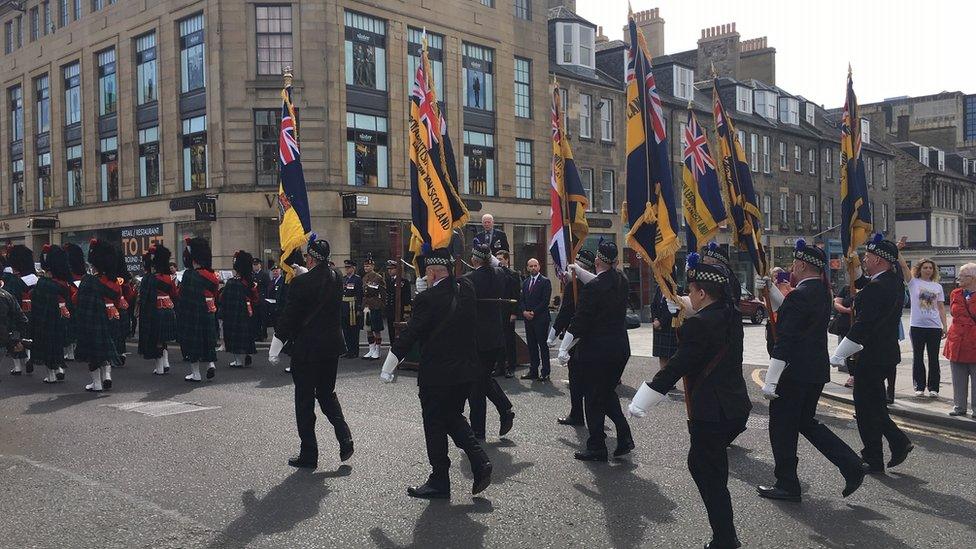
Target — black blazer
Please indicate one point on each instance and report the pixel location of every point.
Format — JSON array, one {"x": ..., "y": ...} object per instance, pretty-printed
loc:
[
  {"x": 319, "y": 293},
  {"x": 450, "y": 358},
  {"x": 600, "y": 322},
  {"x": 567, "y": 308},
  {"x": 537, "y": 300},
  {"x": 877, "y": 314},
  {"x": 801, "y": 333},
  {"x": 513, "y": 291},
  {"x": 489, "y": 287},
  {"x": 495, "y": 240},
  {"x": 720, "y": 395}
]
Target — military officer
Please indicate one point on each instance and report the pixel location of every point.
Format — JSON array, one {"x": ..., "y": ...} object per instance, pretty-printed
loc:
[
  {"x": 394, "y": 284},
  {"x": 567, "y": 310},
  {"x": 352, "y": 308},
  {"x": 374, "y": 293}
]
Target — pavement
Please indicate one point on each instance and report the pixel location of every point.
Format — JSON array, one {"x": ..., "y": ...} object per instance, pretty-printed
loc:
[{"x": 158, "y": 462}]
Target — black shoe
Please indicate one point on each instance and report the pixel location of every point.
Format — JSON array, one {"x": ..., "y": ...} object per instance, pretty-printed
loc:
[
  {"x": 346, "y": 449},
  {"x": 506, "y": 420},
  {"x": 211, "y": 372},
  {"x": 426, "y": 491},
  {"x": 497, "y": 373},
  {"x": 303, "y": 462},
  {"x": 529, "y": 375},
  {"x": 29, "y": 366},
  {"x": 59, "y": 376},
  {"x": 569, "y": 420},
  {"x": 591, "y": 455},
  {"x": 772, "y": 492},
  {"x": 874, "y": 469},
  {"x": 15, "y": 372},
  {"x": 482, "y": 478},
  {"x": 623, "y": 448},
  {"x": 509, "y": 374},
  {"x": 898, "y": 457},
  {"x": 954, "y": 413},
  {"x": 544, "y": 378},
  {"x": 350, "y": 355},
  {"x": 853, "y": 481},
  {"x": 248, "y": 360},
  {"x": 734, "y": 544},
  {"x": 107, "y": 384}
]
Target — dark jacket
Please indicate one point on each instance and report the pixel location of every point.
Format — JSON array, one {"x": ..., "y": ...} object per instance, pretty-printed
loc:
[
  {"x": 567, "y": 308},
  {"x": 50, "y": 326},
  {"x": 513, "y": 291},
  {"x": 877, "y": 315},
  {"x": 538, "y": 299},
  {"x": 319, "y": 293},
  {"x": 12, "y": 319},
  {"x": 196, "y": 327},
  {"x": 496, "y": 240},
  {"x": 489, "y": 287},
  {"x": 391, "y": 295},
  {"x": 721, "y": 394},
  {"x": 352, "y": 310},
  {"x": 237, "y": 309},
  {"x": 448, "y": 352},
  {"x": 660, "y": 311},
  {"x": 263, "y": 279},
  {"x": 801, "y": 333},
  {"x": 600, "y": 322},
  {"x": 97, "y": 341}
]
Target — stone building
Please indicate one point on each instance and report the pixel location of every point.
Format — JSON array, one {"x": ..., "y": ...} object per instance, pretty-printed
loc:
[{"x": 946, "y": 120}]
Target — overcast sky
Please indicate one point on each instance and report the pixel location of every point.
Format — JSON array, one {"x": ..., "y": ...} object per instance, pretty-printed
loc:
[{"x": 896, "y": 47}]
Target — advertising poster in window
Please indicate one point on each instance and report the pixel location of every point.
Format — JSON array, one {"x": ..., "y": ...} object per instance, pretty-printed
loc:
[
  {"x": 475, "y": 85},
  {"x": 135, "y": 241}
]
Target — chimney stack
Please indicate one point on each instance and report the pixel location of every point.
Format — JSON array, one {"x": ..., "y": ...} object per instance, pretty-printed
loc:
[
  {"x": 651, "y": 24},
  {"x": 568, "y": 4},
  {"x": 600, "y": 37},
  {"x": 719, "y": 46}
]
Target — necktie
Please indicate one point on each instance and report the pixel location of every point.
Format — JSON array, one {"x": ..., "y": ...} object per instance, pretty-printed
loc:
[{"x": 531, "y": 283}]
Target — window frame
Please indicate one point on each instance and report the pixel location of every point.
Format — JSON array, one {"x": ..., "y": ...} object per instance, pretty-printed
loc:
[
  {"x": 765, "y": 153},
  {"x": 784, "y": 157},
  {"x": 743, "y": 99},
  {"x": 683, "y": 77},
  {"x": 148, "y": 147},
  {"x": 485, "y": 142},
  {"x": 273, "y": 67},
  {"x": 604, "y": 191},
  {"x": 606, "y": 120},
  {"x": 368, "y": 130},
  {"x": 192, "y": 44},
  {"x": 797, "y": 159},
  {"x": 812, "y": 161},
  {"x": 522, "y": 9},
  {"x": 42, "y": 103},
  {"x": 585, "y": 116},
  {"x": 522, "y": 89},
  {"x": 480, "y": 59},
  {"x": 71, "y": 77},
  {"x": 754, "y": 152},
  {"x": 523, "y": 170},
  {"x": 108, "y": 83},
  {"x": 586, "y": 178},
  {"x": 146, "y": 59}
]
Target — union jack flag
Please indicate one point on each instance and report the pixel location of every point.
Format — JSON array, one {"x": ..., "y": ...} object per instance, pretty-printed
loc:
[
  {"x": 287, "y": 143},
  {"x": 427, "y": 101},
  {"x": 696, "y": 148}
]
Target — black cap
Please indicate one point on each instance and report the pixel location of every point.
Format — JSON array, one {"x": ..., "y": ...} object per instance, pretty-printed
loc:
[
  {"x": 103, "y": 257},
  {"x": 885, "y": 249},
  {"x": 21, "y": 260},
  {"x": 54, "y": 260},
  {"x": 349, "y": 263},
  {"x": 160, "y": 258},
  {"x": 440, "y": 256},
  {"x": 319, "y": 250},
  {"x": 585, "y": 258},
  {"x": 243, "y": 262},
  {"x": 607, "y": 251},
  {"x": 714, "y": 251},
  {"x": 809, "y": 254},
  {"x": 391, "y": 263},
  {"x": 703, "y": 272},
  {"x": 198, "y": 250},
  {"x": 481, "y": 251}
]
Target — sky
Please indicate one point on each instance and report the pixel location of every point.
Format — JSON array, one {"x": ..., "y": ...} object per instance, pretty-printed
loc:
[{"x": 896, "y": 47}]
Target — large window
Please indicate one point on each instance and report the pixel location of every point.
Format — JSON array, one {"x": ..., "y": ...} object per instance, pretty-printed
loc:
[
  {"x": 767, "y": 213},
  {"x": 789, "y": 111},
  {"x": 829, "y": 213},
  {"x": 42, "y": 95},
  {"x": 146, "y": 89},
  {"x": 606, "y": 119},
  {"x": 107, "y": 94},
  {"x": 192, "y": 52},
  {"x": 798, "y": 208},
  {"x": 73, "y": 175},
  {"x": 149, "y": 161},
  {"x": 884, "y": 171},
  {"x": 435, "y": 52},
  {"x": 75, "y": 9},
  {"x": 783, "y": 213},
  {"x": 869, "y": 171},
  {"x": 8, "y": 36},
  {"x": 585, "y": 115},
  {"x": 274, "y": 38},
  {"x": 765, "y": 153},
  {"x": 797, "y": 159},
  {"x": 607, "y": 191},
  {"x": 576, "y": 43},
  {"x": 754, "y": 152},
  {"x": 16, "y": 99},
  {"x": 523, "y": 87},
  {"x": 479, "y": 163},
  {"x": 523, "y": 168},
  {"x": 784, "y": 160},
  {"x": 743, "y": 99},
  {"x": 72, "y": 94},
  {"x": 828, "y": 164},
  {"x": 365, "y": 51},
  {"x": 64, "y": 14},
  {"x": 17, "y": 186},
  {"x": 45, "y": 194},
  {"x": 48, "y": 18},
  {"x": 367, "y": 150},
  {"x": 266, "y": 124},
  {"x": 586, "y": 177},
  {"x": 523, "y": 9},
  {"x": 766, "y": 104},
  {"x": 684, "y": 83},
  {"x": 195, "y": 153},
  {"x": 812, "y": 161},
  {"x": 969, "y": 126},
  {"x": 813, "y": 209},
  {"x": 35, "y": 24},
  {"x": 109, "y": 168},
  {"x": 478, "y": 63}
]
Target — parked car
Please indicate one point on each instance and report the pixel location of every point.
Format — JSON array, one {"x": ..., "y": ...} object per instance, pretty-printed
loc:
[
  {"x": 752, "y": 308},
  {"x": 633, "y": 319}
]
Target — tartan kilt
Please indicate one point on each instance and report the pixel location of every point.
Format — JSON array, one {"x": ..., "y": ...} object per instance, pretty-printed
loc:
[
  {"x": 96, "y": 334},
  {"x": 239, "y": 333},
  {"x": 665, "y": 342},
  {"x": 13, "y": 284},
  {"x": 49, "y": 333},
  {"x": 196, "y": 328}
]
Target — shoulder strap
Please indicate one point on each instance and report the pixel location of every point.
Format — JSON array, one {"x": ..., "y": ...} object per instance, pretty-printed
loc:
[{"x": 708, "y": 369}]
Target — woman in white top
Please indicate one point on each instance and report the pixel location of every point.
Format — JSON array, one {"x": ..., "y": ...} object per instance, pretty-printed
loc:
[{"x": 928, "y": 323}]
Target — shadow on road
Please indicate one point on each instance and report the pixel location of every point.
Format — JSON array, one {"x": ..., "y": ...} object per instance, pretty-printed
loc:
[
  {"x": 543, "y": 389},
  {"x": 60, "y": 402},
  {"x": 443, "y": 525},
  {"x": 503, "y": 464},
  {"x": 929, "y": 502}
]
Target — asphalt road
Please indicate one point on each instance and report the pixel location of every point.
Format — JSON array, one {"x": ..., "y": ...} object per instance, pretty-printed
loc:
[{"x": 78, "y": 470}]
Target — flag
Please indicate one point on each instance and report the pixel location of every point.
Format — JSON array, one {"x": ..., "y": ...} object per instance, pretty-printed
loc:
[
  {"x": 854, "y": 206},
  {"x": 295, "y": 223},
  {"x": 567, "y": 196},
  {"x": 744, "y": 211},
  {"x": 701, "y": 196},
  {"x": 435, "y": 206},
  {"x": 649, "y": 208}
]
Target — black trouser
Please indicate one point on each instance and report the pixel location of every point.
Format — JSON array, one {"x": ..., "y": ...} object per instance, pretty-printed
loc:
[
  {"x": 536, "y": 333},
  {"x": 794, "y": 414},
  {"x": 351, "y": 335},
  {"x": 442, "y": 408},
  {"x": 601, "y": 401},
  {"x": 511, "y": 354},
  {"x": 315, "y": 380},
  {"x": 391, "y": 328},
  {"x": 486, "y": 386},
  {"x": 925, "y": 339},
  {"x": 873, "y": 421},
  {"x": 708, "y": 463},
  {"x": 576, "y": 390}
]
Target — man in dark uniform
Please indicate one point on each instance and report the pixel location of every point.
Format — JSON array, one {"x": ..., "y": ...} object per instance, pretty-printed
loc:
[
  {"x": 798, "y": 369},
  {"x": 444, "y": 320},
  {"x": 710, "y": 357},
  {"x": 600, "y": 325},
  {"x": 513, "y": 291},
  {"x": 310, "y": 323},
  {"x": 567, "y": 310},
  {"x": 536, "y": 293},
  {"x": 395, "y": 283},
  {"x": 874, "y": 332},
  {"x": 351, "y": 312},
  {"x": 495, "y": 239},
  {"x": 713, "y": 254},
  {"x": 489, "y": 287}
]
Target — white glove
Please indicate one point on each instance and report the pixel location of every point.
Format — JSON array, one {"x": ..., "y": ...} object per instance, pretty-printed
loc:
[
  {"x": 844, "y": 350},
  {"x": 672, "y": 306},
  {"x": 564, "y": 347},
  {"x": 299, "y": 269},
  {"x": 494, "y": 261},
  {"x": 643, "y": 400},
  {"x": 582, "y": 274},
  {"x": 389, "y": 367},
  {"x": 274, "y": 353},
  {"x": 762, "y": 283},
  {"x": 551, "y": 340},
  {"x": 365, "y": 310},
  {"x": 421, "y": 284},
  {"x": 776, "y": 297},
  {"x": 776, "y": 367}
]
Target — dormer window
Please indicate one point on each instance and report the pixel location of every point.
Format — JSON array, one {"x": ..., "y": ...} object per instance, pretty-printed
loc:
[
  {"x": 789, "y": 111},
  {"x": 684, "y": 83},
  {"x": 811, "y": 113},
  {"x": 923, "y": 155},
  {"x": 766, "y": 104},
  {"x": 866, "y": 131},
  {"x": 743, "y": 99},
  {"x": 941, "y": 160},
  {"x": 575, "y": 44}
]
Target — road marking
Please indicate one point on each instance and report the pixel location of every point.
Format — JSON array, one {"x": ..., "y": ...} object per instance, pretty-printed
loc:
[{"x": 160, "y": 408}]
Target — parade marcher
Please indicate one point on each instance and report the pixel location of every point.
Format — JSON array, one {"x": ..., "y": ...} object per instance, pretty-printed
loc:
[
  {"x": 98, "y": 314},
  {"x": 297, "y": 262},
  {"x": 309, "y": 324},
  {"x": 495, "y": 239},
  {"x": 489, "y": 288},
  {"x": 600, "y": 325},
  {"x": 665, "y": 342},
  {"x": 196, "y": 308},
  {"x": 352, "y": 308},
  {"x": 19, "y": 282},
  {"x": 395, "y": 283},
  {"x": 536, "y": 294},
  {"x": 443, "y": 321},
  {"x": 237, "y": 307},
  {"x": 374, "y": 293},
  {"x": 510, "y": 312},
  {"x": 799, "y": 366},
  {"x": 713, "y": 254},
  {"x": 127, "y": 295},
  {"x": 874, "y": 336},
  {"x": 76, "y": 261},
  {"x": 50, "y": 314},
  {"x": 709, "y": 356},
  {"x": 567, "y": 310},
  {"x": 12, "y": 321},
  {"x": 157, "y": 315}
]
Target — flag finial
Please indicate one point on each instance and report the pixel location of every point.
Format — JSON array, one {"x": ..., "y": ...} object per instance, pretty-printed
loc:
[
  {"x": 714, "y": 74},
  {"x": 287, "y": 75}
]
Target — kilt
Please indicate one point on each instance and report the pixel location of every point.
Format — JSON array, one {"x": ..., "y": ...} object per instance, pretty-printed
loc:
[
  {"x": 196, "y": 326},
  {"x": 239, "y": 328},
  {"x": 375, "y": 320},
  {"x": 49, "y": 325},
  {"x": 96, "y": 333},
  {"x": 156, "y": 326},
  {"x": 17, "y": 288},
  {"x": 665, "y": 342}
]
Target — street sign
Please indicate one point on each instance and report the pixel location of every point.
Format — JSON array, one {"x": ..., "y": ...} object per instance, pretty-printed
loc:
[
  {"x": 205, "y": 208},
  {"x": 349, "y": 205}
]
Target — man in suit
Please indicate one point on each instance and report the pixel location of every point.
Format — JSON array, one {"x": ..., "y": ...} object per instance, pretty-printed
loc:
[
  {"x": 798, "y": 369},
  {"x": 443, "y": 321},
  {"x": 352, "y": 308},
  {"x": 536, "y": 293},
  {"x": 489, "y": 287},
  {"x": 874, "y": 335},
  {"x": 310, "y": 323},
  {"x": 513, "y": 291},
  {"x": 567, "y": 310},
  {"x": 495, "y": 239}
]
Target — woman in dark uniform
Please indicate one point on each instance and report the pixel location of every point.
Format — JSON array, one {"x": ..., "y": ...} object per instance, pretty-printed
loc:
[
  {"x": 237, "y": 306},
  {"x": 665, "y": 335},
  {"x": 157, "y": 316},
  {"x": 49, "y": 302}
]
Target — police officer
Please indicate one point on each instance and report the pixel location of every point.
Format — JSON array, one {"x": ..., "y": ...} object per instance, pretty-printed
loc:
[
  {"x": 310, "y": 323},
  {"x": 798, "y": 369},
  {"x": 489, "y": 287},
  {"x": 567, "y": 310},
  {"x": 513, "y": 291},
  {"x": 710, "y": 357},
  {"x": 374, "y": 298},
  {"x": 444, "y": 320},
  {"x": 352, "y": 308},
  {"x": 874, "y": 334},
  {"x": 600, "y": 324},
  {"x": 395, "y": 283}
]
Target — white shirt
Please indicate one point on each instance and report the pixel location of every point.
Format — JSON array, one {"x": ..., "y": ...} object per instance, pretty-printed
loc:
[{"x": 926, "y": 297}]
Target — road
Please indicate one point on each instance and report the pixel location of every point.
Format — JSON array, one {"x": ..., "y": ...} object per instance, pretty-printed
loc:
[{"x": 79, "y": 471}]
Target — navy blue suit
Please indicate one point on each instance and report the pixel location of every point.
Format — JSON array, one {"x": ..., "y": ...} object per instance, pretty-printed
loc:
[{"x": 535, "y": 298}]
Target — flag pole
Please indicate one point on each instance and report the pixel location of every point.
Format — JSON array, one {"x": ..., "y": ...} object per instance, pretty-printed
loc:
[{"x": 564, "y": 198}]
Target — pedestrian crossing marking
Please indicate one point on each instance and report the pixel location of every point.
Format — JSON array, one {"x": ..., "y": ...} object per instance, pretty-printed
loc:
[{"x": 160, "y": 408}]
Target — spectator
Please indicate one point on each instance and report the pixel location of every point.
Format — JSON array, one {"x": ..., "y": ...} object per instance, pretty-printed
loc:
[
  {"x": 960, "y": 346},
  {"x": 495, "y": 239},
  {"x": 927, "y": 325},
  {"x": 665, "y": 335}
]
